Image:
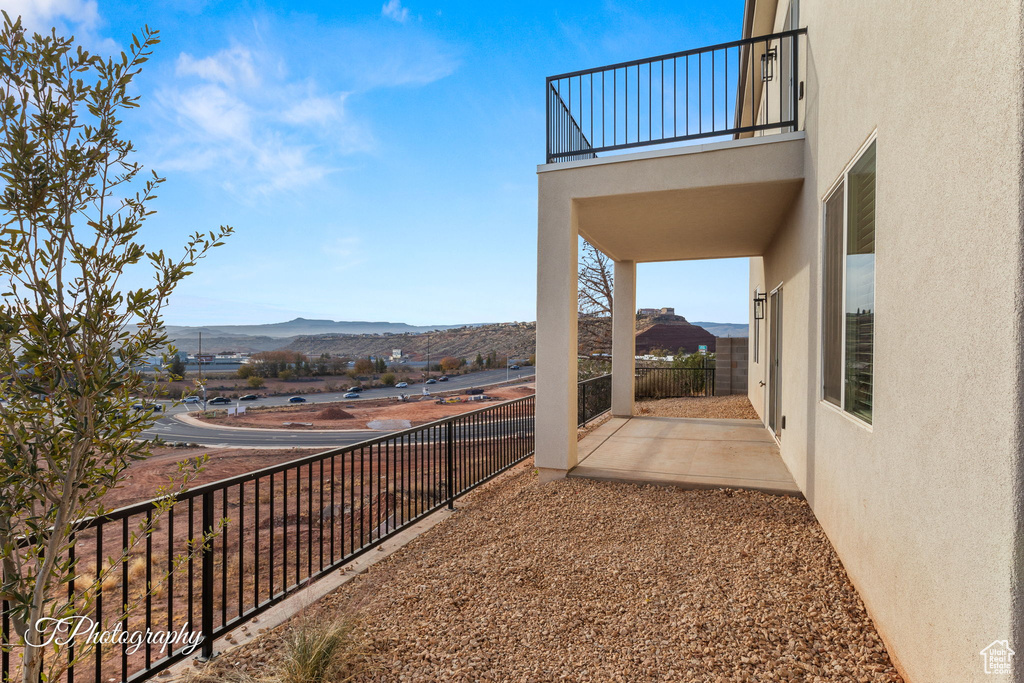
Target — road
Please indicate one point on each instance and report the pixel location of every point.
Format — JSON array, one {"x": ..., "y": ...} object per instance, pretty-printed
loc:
[{"x": 170, "y": 429}]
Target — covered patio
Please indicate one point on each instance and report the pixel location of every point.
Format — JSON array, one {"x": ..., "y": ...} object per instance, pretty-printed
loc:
[
  {"x": 715, "y": 200},
  {"x": 689, "y": 453}
]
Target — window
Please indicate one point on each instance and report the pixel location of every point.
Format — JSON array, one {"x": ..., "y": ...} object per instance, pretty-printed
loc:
[{"x": 848, "y": 289}]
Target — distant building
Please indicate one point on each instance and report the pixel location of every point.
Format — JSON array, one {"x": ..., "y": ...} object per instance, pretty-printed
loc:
[{"x": 656, "y": 311}]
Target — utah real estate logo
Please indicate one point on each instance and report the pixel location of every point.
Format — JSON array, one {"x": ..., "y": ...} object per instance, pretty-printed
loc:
[{"x": 998, "y": 657}]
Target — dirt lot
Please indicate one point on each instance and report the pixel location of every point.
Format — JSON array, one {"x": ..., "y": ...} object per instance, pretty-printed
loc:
[
  {"x": 362, "y": 411},
  {"x": 146, "y": 476},
  {"x": 593, "y": 581},
  {"x": 737, "y": 407}
]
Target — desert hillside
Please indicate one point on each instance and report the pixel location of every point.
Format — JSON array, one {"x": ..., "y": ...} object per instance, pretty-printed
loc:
[
  {"x": 513, "y": 339},
  {"x": 356, "y": 339}
]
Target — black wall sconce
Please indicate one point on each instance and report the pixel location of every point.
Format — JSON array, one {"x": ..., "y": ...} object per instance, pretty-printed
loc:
[
  {"x": 768, "y": 64},
  {"x": 759, "y": 301}
]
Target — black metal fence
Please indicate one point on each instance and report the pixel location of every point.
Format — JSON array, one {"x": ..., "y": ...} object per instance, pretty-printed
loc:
[
  {"x": 594, "y": 398},
  {"x": 274, "y": 530},
  {"x": 744, "y": 87},
  {"x": 674, "y": 382}
]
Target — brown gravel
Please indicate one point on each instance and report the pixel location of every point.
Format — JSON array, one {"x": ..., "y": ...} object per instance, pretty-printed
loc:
[
  {"x": 592, "y": 581},
  {"x": 737, "y": 407}
]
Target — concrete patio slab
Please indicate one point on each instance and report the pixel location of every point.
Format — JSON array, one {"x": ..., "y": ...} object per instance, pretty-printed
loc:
[{"x": 688, "y": 453}]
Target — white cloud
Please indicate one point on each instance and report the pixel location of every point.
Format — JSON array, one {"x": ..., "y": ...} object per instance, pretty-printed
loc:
[
  {"x": 80, "y": 18},
  {"x": 235, "y": 112},
  {"x": 228, "y": 67},
  {"x": 393, "y": 9},
  {"x": 316, "y": 109},
  {"x": 211, "y": 110},
  {"x": 40, "y": 15}
]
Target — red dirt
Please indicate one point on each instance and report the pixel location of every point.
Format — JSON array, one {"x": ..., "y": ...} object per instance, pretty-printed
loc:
[
  {"x": 363, "y": 411},
  {"x": 146, "y": 476}
]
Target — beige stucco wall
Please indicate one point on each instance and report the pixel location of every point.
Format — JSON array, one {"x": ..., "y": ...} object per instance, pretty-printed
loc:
[{"x": 924, "y": 505}]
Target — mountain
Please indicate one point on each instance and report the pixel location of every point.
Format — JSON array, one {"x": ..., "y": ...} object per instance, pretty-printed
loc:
[
  {"x": 514, "y": 339},
  {"x": 363, "y": 338},
  {"x": 671, "y": 333},
  {"x": 272, "y": 336},
  {"x": 303, "y": 326},
  {"x": 725, "y": 329}
]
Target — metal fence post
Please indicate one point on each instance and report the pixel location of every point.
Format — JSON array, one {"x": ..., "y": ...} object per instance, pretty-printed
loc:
[
  {"x": 450, "y": 456},
  {"x": 206, "y": 653},
  {"x": 584, "y": 420}
]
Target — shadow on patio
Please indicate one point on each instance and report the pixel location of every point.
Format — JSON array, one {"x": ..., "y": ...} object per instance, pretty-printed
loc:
[{"x": 685, "y": 452}]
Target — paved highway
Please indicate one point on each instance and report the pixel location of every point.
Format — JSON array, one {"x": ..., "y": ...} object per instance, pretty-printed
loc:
[{"x": 170, "y": 429}]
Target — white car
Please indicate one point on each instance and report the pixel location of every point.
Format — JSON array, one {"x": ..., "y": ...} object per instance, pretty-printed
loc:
[
  {"x": 401, "y": 385},
  {"x": 190, "y": 399}
]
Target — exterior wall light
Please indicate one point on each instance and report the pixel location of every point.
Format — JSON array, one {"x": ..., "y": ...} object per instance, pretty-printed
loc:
[
  {"x": 759, "y": 301},
  {"x": 768, "y": 64}
]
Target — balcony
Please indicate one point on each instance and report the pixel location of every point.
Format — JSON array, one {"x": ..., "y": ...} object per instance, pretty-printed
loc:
[
  {"x": 692, "y": 155},
  {"x": 745, "y": 88}
]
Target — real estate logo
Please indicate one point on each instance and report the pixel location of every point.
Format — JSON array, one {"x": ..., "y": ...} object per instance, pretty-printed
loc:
[{"x": 998, "y": 657}]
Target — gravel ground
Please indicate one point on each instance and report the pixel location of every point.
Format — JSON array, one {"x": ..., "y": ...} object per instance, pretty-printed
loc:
[
  {"x": 710, "y": 407},
  {"x": 591, "y": 581}
]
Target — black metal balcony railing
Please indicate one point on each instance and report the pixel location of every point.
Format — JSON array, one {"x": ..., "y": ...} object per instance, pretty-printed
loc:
[
  {"x": 674, "y": 382},
  {"x": 273, "y": 532},
  {"x": 745, "y": 87},
  {"x": 594, "y": 398}
]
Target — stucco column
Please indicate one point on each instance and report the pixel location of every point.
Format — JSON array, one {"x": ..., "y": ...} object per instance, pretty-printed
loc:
[
  {"x": 623, "y": 338},
  {"x": 557, "y": 254}
]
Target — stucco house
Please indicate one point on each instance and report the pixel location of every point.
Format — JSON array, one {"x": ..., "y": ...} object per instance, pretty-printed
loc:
[{"x": 867, "y": 157}]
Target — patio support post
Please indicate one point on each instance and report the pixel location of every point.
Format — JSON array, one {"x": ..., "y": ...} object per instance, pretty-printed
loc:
[
  {"x": 623, "y": 338},
  {"x": 556, "y": 409}
]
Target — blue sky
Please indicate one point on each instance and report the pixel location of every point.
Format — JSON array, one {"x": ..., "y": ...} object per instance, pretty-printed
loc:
[{"x": 378, "y": 160}]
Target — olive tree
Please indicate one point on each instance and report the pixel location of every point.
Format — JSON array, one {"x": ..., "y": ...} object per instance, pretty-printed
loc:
[{"x": 73, "y": 334}]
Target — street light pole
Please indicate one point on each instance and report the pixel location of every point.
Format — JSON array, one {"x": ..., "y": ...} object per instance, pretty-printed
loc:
[{"x": 199, "y": 357}]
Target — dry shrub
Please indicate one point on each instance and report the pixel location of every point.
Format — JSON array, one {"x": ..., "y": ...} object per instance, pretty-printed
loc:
[
  {"x": 111, "y": 580},
  {"x": 313, "y": 650},
  {"x": 318, "y": 652},
  {"x": 334, "y": 413},
  {"x": 137, "y": 569}
]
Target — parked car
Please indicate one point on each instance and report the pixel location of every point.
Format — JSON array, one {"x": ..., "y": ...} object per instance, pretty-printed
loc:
[
  {"x": 190, "y": 399},
  {"x": 474, "y": 392},
  {"x": 401, "y": 385},
  {"x": 296, "y": 399},
  {"x": 514, "y": 367},
  {"x": 351, "y": 394},
  {"x": 219, "y": 401},
  {"x": 431, "y": 381},
  {"x": 248, "y": 397},
  {"x": 147, "y": 406},
  {"x": 442, "y": 378},
  {"x": 355, "y": 389}
]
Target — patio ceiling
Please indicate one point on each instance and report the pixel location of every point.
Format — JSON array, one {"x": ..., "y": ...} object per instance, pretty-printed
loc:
[{"x": 719, "y": 200}]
